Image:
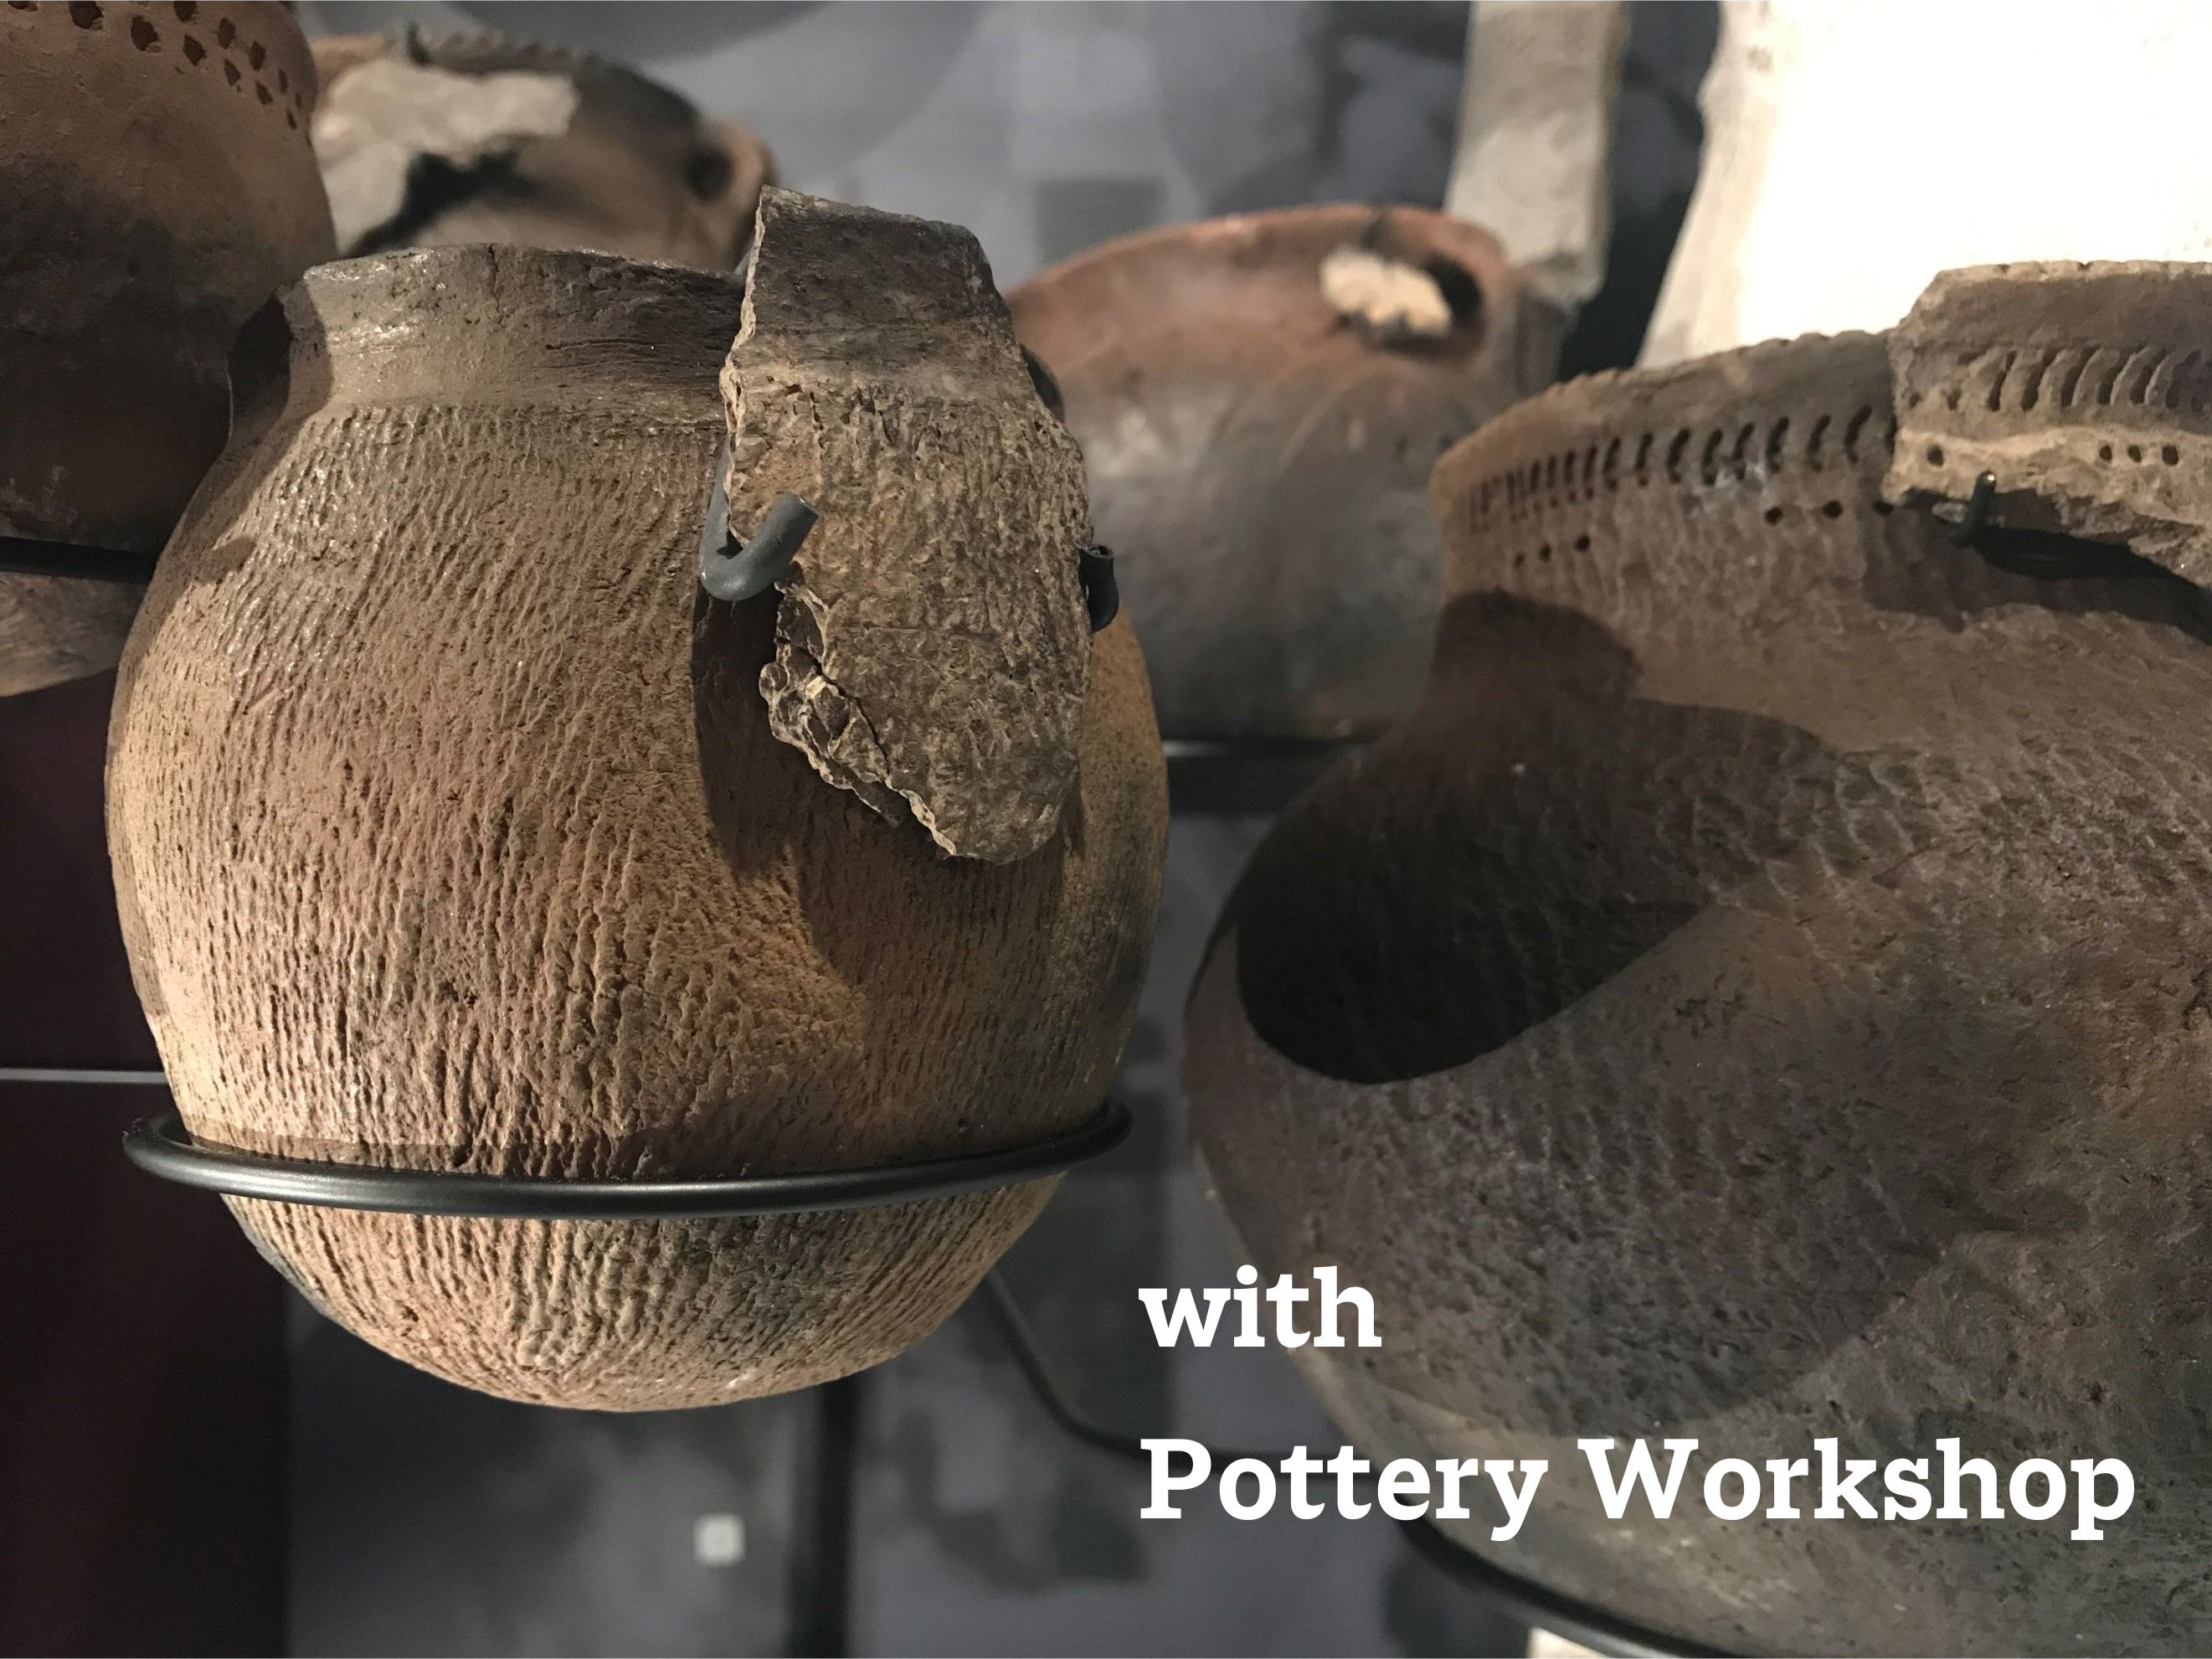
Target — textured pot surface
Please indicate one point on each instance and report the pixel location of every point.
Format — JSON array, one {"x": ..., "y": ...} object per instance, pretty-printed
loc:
[
  {"x": 2016, "y": 372},
  {"x": 1259, "y": 461},
  {"x": 1760, "y": 996},
  {"x": 628, "y": 166},
  {"x": 514, "y": 877},
  {"x": 156, "y": 185}
]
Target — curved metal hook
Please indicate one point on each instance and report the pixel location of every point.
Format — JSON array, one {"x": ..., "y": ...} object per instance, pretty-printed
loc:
[
  {"x": 1102, "y": 595},
  {"x": 733, "y": 567}
]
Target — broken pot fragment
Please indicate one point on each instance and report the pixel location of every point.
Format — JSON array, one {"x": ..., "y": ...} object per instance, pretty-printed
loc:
[
  {"x": 932, "y": 638},
  {"x": 2083, "y": 391}
]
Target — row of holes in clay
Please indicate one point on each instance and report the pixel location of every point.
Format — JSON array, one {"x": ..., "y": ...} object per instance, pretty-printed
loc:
[
  {"x": 87, "y": 15},
  {"x": 1773, "y": 516},
  {"x": 2005, "y": 380},
  {"x": 1578, "y": 475},
  {"x": 2168, "y": 454}
]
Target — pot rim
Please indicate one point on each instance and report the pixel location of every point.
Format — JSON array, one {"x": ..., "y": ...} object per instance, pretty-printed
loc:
[
  {"x": 1258, "y": 245},
  {"x": 1775, "y": 417}
]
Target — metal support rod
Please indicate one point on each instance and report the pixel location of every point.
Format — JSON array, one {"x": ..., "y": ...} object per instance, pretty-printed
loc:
[
  {"x": 822, "y": 1552},
  {"x": 97, "y": 1076},
  {"x": 1977, "y": 513},
  {"x": 22, "y": 556}
]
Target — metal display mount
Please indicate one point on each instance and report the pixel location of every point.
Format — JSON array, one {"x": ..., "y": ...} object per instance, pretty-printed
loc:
[
  {"x": 25, "y": 556},
  {"x": 1247, "y": 775},
  {"x": 162, "y": 1146}
]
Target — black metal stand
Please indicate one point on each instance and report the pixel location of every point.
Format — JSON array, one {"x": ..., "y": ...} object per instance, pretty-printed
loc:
[
  {"x": 1531, "y": 1603},
  {"x": 21, "y": 555},
  {"x": 86, "y": 1076},
  {"x": 822, "y": 1540},
  {"x": 160, "y": 1145},
  {"x": 1247, "y": 775}
]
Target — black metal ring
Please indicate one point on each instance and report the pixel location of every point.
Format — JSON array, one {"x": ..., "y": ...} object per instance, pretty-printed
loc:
[
  {"x": 1593, "y": 1627},
  {"x": 27, "y": 556},
  {"x": 162, "y": 1146}
]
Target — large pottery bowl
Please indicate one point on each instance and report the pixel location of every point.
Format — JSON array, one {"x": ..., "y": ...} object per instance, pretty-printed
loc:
[{"x": 1760, "y": 997}]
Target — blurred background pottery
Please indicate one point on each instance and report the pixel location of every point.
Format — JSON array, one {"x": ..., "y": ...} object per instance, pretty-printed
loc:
[
  {"x": 156, "y": 185},
  {"x": 1259, "y": 446},
  {"x": 434, "y": 137}
]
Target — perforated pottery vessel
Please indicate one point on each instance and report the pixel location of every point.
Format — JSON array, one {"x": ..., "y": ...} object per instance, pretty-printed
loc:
[
  {"x": 515, "y": 878},
  {"x": 1259, "y": 461},
  {"x": 156, "y": 186},
  {"x": 1760, "y": 996}
]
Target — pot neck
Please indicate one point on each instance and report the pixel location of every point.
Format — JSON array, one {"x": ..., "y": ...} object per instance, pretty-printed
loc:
[{"x": 498, "y": 325}]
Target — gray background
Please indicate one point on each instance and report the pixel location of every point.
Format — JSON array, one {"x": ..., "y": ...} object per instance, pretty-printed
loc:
[{"x": 428, "y": 1520}]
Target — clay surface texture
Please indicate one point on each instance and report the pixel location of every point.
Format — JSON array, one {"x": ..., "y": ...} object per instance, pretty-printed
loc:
[
  {"x": 450, "y": 833},
  {"x": 1260, "y": 400},
  {"x": 155, "y": 187},
  {"x": 1760, "y": 995},
  {"x": 435, "y": 138},
  {"x": 2086, "y": 390},
  {"x": 932, "y": 642}
]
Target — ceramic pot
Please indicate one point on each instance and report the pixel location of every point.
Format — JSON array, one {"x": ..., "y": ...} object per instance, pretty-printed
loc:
[
  {"x": 1760, "y": 996},
  {"x": 156, "y": 185},
  {"x": 1259, "y": 458},
  {"x": 466, "y": 150},
  {"x": 516, "y": 878}
]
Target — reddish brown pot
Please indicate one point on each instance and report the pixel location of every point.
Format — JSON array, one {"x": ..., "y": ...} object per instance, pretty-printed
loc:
[
  {"x": 1260, "y": 464},
  {"x": 156, "y": 185},
  {"x": 1760, "y": 995},
  {"x": 516, "y": 878},
  {"x": 637, "y": 172}
]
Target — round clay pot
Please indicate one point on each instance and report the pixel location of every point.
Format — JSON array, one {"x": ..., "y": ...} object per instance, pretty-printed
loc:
[
  {"x": 1760, "y": 995},
  {"x": 450, "y": 833},
  {"x": 633, "y": 171},
  {"x": 1259, "y": 461},
  {"x": 156, "y": 185}
]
